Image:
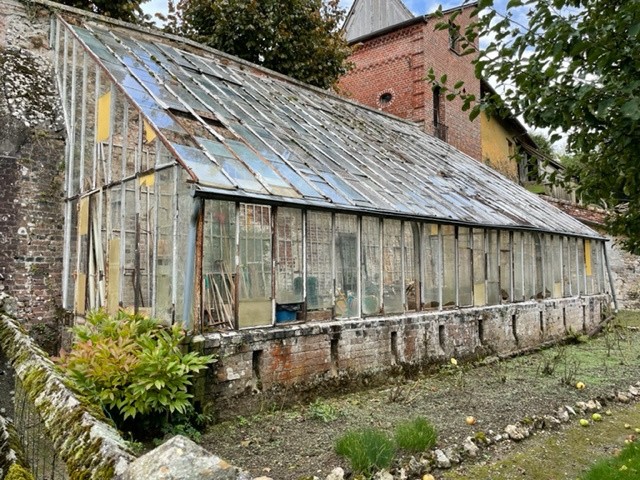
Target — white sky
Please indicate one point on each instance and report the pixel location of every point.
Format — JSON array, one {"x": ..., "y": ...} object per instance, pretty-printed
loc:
[{"x": 418, "y": 7}]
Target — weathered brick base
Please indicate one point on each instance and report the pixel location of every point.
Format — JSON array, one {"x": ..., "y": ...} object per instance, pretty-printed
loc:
[{"x": 310, "y": 356}]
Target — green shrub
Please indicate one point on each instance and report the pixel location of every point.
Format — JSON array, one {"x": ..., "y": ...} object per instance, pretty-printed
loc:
[
  {"x": 368, "y": 450},
  {"x": 131, "y": 365},
  {"x": 416, "y": 435},
  {"x": 625, "y": 466}
]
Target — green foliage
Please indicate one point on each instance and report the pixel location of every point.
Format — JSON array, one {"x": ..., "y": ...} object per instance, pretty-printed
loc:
[
  {"x": 417, "y": 435},
  {"x": 17, "y": 472},
  {"x": 368, "y": 450},
  {"x": 625, "y": 466},
  {"x": 323, "y": 411},
  {"x": 131, "y": 365},
  {"x": 570, "y": 66},
  {"x": 127, "y": 10},
  {"x": 299, "y": 38}
]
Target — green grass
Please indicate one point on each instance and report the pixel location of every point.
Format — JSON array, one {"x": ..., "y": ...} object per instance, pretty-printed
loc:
[
  {"x": 416, "y": 435},
  {"x": 368, "y": 450},
  {"x": 625, "y": 466},
  {"x": 567, "y": 453}
]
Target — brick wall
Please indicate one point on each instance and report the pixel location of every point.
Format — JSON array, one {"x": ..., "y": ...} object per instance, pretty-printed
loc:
[
  {"x": 31, "y": 171},
  {"x": 398, "y": 63},
  {"x": 277, "y": 360}
]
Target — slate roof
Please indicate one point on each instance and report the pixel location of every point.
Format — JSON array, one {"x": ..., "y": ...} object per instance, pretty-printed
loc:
[
  {"x": 247, "y": 133},
  {"x": 367, "y": 16}
]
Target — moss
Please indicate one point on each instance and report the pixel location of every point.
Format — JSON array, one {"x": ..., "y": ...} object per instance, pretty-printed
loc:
[
  {"x": 17, "y": 472},
  {"x": 69, "y": 424}
]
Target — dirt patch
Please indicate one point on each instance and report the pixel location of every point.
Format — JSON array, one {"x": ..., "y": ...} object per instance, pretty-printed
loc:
[{"x": 295, "y": 443}]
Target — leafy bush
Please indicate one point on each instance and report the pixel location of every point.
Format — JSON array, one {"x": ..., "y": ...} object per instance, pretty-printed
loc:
[
  {"x": 132, "y": 365},
  {"x": 17, "y": 472},
  {"x": 368, "y": 450},
  {"x": 625, "y": 466},
  {"x": 416, "y": 435}
]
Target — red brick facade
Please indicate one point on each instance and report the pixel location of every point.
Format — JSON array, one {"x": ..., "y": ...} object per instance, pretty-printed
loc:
[{"x": 397, "y": 62}]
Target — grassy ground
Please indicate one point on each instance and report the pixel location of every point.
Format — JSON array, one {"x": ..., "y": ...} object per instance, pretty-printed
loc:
[
  {"x": 561, "y": 454},
  {"x": 293, "y": 443}
]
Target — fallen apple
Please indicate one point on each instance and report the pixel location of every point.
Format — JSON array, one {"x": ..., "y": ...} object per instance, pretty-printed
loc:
[
  {"x": 580, "y": 385},
  {"x": 428, "y": 476},
  {"x": 608, "y": 413},
  {"x": 584, "y": 422},
  {"x": 627, "y": 426},
  {"x": 596, "y": 417},
  {"x": 470, "y": 420}
]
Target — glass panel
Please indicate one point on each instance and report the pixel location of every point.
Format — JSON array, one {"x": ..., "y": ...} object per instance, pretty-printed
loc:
[
  {"x": 581, "y": 265},
  {"x": 114, "y": 250},
  {"x": 289, "y": 294},
  {"x": 567, "y": 262},
  {"x": 518, "y": 267},
  {"x": 392, "y": 263},
  {"x": 132, "y": 144},
  {"x": 449, "y": 265},
  {"x": 548, "y": 258},
  {"x": 319, "y": 265},
  {"x": 539, "y": 266},
  {"x": 165, "y": 188},
  {"x": 493, "y": 268},
  {"x": 371, "y": 266},
  {"x": 95, "y": 169},
  {"x": 218, "y": 263},
  {"x": 598, "y": 265},
  {"x": 185, "y": 207},
  {"x": 147, "y": 230},
  {"x": 255, "y": 265},
  {"x": 432, "y": 265},
  {"x": 411, "y": 265},
  {"x": 465, "y": 286},
  {"x": 505, "y": 266},
  {"x": 479, "y": 268},
  {"x": 110, "y": 147},
  {"x": 529, "y": 266},
  {"x": 556, "y": 265},
  {"x": 346, "y": 258},
  {"x": 129, "y": 282},
  {"x": 72, "y": 220},
  {"x": 588, "y": 266},
  {"x": 573, "y": 254}
]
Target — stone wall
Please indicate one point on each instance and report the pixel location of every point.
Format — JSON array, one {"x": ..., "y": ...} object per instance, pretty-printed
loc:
[
  {"x": 31, "y": 169},
  {"x": 275, "y": 361},
  {"x": 625, "y": 270}
]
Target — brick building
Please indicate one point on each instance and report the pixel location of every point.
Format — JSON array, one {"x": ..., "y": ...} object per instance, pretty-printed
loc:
[{"x": 393, "y": 53}]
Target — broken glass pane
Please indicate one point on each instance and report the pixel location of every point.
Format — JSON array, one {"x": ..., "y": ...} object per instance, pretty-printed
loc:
[
  {"x": 411, "y": 265},
  {"x": 218, "y": 264}
]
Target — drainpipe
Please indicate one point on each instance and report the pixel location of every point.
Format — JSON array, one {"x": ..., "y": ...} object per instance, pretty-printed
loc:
[
  {"x": 613, "y": 290},
  {"x": 190, "y": 268}
]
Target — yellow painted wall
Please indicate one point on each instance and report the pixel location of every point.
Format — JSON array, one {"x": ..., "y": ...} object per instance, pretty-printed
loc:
[{"x": 495, "y": 147}]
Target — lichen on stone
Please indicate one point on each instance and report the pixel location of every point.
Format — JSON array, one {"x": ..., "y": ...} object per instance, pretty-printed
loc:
[{"x": 86, "y": 442}]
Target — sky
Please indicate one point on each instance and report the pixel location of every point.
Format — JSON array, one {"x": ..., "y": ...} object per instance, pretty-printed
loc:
[{"x": 418, "y": 7}]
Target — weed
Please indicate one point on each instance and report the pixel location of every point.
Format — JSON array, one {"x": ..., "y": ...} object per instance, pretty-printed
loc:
[
  {"x": 625, "y": 466},
  {"x": 368, "y": 450},
  {"x": 243, "y": 421},
  {"x": 404, "y": 393},
  {"x": 417, "y": 435},
  {"x": 323, "y": 411},
  {"x": 454, "y": 370}
]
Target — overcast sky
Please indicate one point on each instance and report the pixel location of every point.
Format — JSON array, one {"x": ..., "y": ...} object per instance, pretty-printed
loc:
[{"x": 418, "y": 7}]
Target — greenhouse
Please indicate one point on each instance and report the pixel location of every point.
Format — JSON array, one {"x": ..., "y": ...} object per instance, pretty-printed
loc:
[{"x": 206, "y": 190}]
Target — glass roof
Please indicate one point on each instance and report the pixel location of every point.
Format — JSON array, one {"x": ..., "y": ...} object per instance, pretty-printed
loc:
[{"x": 278, "y": 139}]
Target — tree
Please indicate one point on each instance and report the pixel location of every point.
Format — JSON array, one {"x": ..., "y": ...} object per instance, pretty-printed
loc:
[
  {"x": 127, "y": 10},
  {"x": 299, "y": 38},
  {"x": 571, "y": 66},
  {"x": 545, "y": 147}
]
